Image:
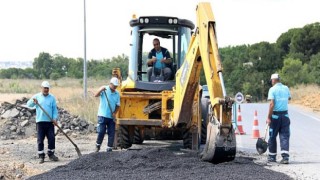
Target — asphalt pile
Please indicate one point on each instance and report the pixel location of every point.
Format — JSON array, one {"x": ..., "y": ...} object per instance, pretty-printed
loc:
[
  {"x": 158, "y": 163},
  {"x": 17, "y": 121}
]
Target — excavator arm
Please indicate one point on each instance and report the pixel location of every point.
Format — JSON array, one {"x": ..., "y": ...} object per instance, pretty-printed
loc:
[{"x": 203, "y": 54}]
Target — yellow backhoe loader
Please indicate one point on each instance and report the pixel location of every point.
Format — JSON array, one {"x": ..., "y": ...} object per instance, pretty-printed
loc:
[{"x": 172, "y": 108}]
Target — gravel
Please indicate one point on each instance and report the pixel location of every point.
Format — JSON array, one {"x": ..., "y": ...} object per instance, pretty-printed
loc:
[{"x": 158, "y": 163}]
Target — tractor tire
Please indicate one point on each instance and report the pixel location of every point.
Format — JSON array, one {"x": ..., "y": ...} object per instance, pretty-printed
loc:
[
  {"x": 138, "y": 135},
  {"x": 204, "y": 116},
  {"x": 125, "y": 139},
  {"x": 187, "y": 139}
]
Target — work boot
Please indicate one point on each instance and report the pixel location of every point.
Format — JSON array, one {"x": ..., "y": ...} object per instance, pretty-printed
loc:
[
  {"x": 271, "y": 159},
  {"x": 41, "y": 160},
  {"x": 41, "y": 157},
  {"x": 284, "y": 161},
  {"x": 97, "y": 148},
  {"x": 53, "y": 158},
  {"x": 109, "y": 149}
]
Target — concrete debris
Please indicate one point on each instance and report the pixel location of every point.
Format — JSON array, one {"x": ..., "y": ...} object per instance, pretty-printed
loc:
[
  {"x": 10, "y": 113},
  {"x": 24, "y": 123},
  {"x": 13, "y": 128},
  {"x": 19, "y": 121}
]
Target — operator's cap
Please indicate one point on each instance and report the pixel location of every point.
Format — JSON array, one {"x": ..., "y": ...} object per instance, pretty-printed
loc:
[
  {"x": 275, "y": 76},
  {"x": 114, "y": 81},
  {"x": 45, "y": 84}
]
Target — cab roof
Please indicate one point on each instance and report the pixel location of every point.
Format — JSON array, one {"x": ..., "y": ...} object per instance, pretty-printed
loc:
[{"x": 163, "y": 21}]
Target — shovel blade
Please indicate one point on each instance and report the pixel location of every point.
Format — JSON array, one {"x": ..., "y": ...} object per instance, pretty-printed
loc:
[{"x": 261, "y": 146}]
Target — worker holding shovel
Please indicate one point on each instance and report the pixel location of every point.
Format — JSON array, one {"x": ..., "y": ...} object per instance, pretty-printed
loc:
[
  {"x": 278, "y": 119},
  {"x": 108, "y": 108},
  {"x": 45, "y": 125}
]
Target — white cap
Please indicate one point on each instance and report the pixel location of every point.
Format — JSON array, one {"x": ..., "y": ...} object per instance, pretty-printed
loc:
[
  {"x": 45, "y": 84},
  {"x": 114, "y": 81},
  {"x": 275, "y": 76}
]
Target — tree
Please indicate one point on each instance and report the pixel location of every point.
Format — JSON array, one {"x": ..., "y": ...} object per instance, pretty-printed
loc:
[
  {"x": 266, "y": 57},
  {"x": 314, "y": 69},
  {"x": 43, "y": 64},
  {"x": 61, "y": 65},
  {"x": 293, "y": 72},
  {"x": 306, "y": 41},
  {"x": 284, "y": 40}
]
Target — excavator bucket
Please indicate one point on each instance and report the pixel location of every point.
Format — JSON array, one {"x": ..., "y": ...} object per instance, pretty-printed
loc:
[{"x": 220, "y": 145}]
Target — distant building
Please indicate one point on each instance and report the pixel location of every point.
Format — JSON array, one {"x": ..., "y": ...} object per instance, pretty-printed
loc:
[
  {"x": 15, "y": 64},
  {"x": 247, "y": 64}
]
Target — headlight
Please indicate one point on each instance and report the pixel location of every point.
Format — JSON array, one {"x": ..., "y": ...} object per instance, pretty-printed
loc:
[
  {"x": 146, "y": 20},
  {"x": 141, "y": 20},
  {"x": 175, "y": 21},
  {"x": 170, "y": 21}
]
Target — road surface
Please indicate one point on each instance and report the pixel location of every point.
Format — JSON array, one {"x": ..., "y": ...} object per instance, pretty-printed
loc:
[
  {"x": 304, "y": 140},
  {"x": 304, "y": 155}
]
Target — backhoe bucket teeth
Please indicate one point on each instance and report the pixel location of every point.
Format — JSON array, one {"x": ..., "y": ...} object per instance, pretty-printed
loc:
[{"x": 220, "y": 145}]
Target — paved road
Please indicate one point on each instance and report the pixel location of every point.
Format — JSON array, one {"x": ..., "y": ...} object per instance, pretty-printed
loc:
[{"x": 304, "y": 140}]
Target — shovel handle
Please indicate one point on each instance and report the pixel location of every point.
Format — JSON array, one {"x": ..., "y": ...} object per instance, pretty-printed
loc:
[
  {"x": 56, "y": 124},
  {"x": 266, "y": 131}
]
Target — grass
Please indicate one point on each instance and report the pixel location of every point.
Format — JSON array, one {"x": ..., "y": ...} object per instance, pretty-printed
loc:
[{"x": 68, "y": 92}]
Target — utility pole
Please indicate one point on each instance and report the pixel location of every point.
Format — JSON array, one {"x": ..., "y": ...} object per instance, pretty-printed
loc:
[
  {"x": 262, "y": 90},
  {"x": 85, "y": 54}
]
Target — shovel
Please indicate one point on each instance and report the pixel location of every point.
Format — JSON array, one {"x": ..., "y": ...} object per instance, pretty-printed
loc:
[
  {"x": 262, "y": 145},
  {"x": 77, "y": 149}
]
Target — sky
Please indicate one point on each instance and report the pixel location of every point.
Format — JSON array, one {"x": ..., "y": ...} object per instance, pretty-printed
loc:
[{"x": 29, "y": 27}]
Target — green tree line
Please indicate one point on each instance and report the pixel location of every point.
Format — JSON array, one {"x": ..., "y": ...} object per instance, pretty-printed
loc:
[
  {"x": 46, "y": 66},
  {"x": 295, "y": 56}
]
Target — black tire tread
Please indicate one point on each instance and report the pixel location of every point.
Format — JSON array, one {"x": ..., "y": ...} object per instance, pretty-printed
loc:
[
  {"x": 124, "y": 137},
  {"x": 138, "y": 136}
]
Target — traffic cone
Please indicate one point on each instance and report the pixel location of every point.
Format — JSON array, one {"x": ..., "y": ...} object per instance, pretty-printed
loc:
[
  {"x": 255, "y": 128},
  {"x": 239, "y": 129}
]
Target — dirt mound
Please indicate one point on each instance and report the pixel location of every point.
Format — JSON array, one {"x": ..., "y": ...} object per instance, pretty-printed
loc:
[
  {"x": 18, "y": 121},
  {"x": 157, "y": 163},
  {"x": 307, "y": 95}
]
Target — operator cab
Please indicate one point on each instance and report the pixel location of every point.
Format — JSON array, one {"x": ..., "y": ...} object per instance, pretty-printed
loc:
[{"x": 174, "y": 35}]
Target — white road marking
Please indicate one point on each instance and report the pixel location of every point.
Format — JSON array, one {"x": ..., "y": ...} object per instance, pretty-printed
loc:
[{"x": 317, "y": 119}]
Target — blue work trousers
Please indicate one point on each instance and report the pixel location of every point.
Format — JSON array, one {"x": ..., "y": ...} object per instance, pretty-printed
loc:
[
  {"x": 280, "y": 124},
  {"x": 45, "y": 129},
  {"x": 104, "y": 123}
]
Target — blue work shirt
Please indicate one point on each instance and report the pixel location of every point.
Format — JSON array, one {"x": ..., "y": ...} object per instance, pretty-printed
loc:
[
  {"x": 280, "y": 94},
  {"x": 114, "y": 100},
  {"x": 159, "y": 55},
  {"x": 48, "y": 103},
  {"x": 158, "y": 63}
]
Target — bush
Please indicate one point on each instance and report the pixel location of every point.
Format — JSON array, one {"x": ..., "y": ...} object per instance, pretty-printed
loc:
[{"x": 55, "y": 76}]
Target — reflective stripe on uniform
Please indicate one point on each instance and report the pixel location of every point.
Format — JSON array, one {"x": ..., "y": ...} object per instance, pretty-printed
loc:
[
  {"x": 52, "y": 150},
  {"x": 272, "y": 154},
  {"x": 41, "y": 152},
  {"x": 284, "y": 152}
]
